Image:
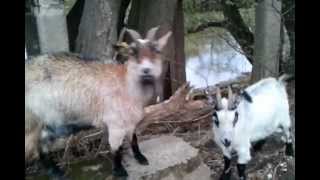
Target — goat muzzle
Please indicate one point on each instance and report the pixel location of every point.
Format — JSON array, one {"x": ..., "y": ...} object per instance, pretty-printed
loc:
[{"x": 147, "y": 79}]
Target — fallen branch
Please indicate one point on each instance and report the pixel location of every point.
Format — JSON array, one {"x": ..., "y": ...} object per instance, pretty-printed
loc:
[
  {"x": 206, "y": 25},
  {"x": 193, "y": 120}
]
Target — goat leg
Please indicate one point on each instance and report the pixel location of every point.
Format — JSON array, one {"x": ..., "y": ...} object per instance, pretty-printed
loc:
[
  {"x": 136, "y": 151},
  {"x": 227, "y": 170},
  {"x": 241, "y": 171},
  {"x": 118, "y": 169}
]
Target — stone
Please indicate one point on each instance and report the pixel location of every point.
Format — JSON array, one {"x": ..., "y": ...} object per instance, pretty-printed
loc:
[
  {"x": 170, "y": 158},
  {"x": 52, "y": 26}
]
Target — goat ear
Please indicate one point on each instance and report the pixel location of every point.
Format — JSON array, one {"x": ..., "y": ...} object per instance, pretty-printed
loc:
[
  {"x": 116, "y": 47},
  {"x": 134, "y": 34},
  {"x": 163, "y": 40},
  {"x": 152, "y": 33},
  {"x": 246, "y": 96},
  {"x": 119, "y": 46}
]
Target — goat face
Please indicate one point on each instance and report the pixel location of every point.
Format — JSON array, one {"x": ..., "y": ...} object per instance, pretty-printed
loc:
[
  {"x": 225, "y": 119},
  {"x": 145, "y": 55}
]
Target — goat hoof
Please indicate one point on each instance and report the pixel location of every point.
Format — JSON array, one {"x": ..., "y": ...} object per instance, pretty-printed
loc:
[
  {"x": 142, "y": 159},
  {"x": 57, "y": 174},
  {"x": 60, "y": 178},
  {"x": 119, "y": 172},
  {"x": 225, "y": 176}
]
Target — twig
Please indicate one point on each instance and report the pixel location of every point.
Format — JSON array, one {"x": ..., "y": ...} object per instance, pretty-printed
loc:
[
  {"x": 174, "y": 131},
  {"x": 193, "y": 120},
  {"x": 206, "y": 25},
  {"x": 102, "y": 142},
  {"x": 199, "y": 131},
  {"x": 92, "y": 135},
  {"x": 65, "y": 154},
  {"x": 275, "y": 171}
]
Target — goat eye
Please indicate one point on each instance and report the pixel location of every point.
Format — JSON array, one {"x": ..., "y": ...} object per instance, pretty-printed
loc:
[
  {"x": 215, "y": 115},
  {"x": 133, "y": 51},
  {"x": 153, "y": 47},
  {"x": 235, "y": 119}
]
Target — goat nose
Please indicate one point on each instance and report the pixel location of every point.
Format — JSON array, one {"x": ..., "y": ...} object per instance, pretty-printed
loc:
[
  {"x": 146, "y": 70},
  {"x": 227, "y": 143}
]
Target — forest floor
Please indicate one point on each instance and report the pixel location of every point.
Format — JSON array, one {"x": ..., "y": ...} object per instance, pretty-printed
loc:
[{"x": 268, "y": 164}]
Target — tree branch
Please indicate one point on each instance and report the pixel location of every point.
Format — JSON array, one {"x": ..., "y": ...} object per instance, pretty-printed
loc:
[{"x": 206, "y": 25}]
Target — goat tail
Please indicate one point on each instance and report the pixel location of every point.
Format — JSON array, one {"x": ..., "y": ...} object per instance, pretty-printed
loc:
[{"x": 285, "y": 78}]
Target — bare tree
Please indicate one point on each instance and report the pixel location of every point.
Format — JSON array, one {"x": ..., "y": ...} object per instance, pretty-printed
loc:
[{"x": 267, "y": 39}]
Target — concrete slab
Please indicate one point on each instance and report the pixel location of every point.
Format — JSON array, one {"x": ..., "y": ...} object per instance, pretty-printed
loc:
[{"x": 169, "y": 158}]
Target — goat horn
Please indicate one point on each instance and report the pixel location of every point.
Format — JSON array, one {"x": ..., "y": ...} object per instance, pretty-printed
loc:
[
  {"x": 218, "y": 96},
  {"x": 134, "y": 34},
  {"x": 230, "y": 97},
  {"x": 210, "y": 100},
  {"x": 152, "y": 33}
]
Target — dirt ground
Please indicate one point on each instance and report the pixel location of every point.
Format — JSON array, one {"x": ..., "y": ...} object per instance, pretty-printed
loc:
[{"x": 268, "y": 164}]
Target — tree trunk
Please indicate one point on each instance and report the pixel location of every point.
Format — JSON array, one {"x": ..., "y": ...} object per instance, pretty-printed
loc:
[
  {"x": 267, "y": 40},
  {"x": 98, "y": 29},
  {"x": 239, "y": 30},
  {"x": 288, "y": 11},
  {"x": 168, "y": 15},
  {"x": 122, "y": 14},
  {"x": 177, "y": 66},
  {"x": 73, "y": 22},
  {"x": 31, "y": 34}
]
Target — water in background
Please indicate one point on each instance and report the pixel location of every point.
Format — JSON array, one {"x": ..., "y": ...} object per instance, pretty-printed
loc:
[{"x": 212, "y": 57}]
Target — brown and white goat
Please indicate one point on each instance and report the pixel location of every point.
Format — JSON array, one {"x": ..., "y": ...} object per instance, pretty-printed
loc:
[{"x": 63, "y": 92}]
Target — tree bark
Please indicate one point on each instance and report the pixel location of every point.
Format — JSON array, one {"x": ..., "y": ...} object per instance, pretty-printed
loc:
[
  {"x": 73, "y": 22},
  {"x": 239, "y": 30},
  {"x": 122, "y": 14},
  {"x": 267, "y": 40},
  {"x": 288, "y": 12},
  {"x": 178, "y": 72},
  {"x": 98, "y": 29}
]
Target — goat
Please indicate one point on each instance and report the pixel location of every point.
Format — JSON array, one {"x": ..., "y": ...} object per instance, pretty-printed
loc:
[
  {"x": 261, "y": 110},
  {"x": 65, "y": 94}
]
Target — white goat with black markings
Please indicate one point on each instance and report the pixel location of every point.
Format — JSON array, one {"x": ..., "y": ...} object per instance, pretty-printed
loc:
[
  {"x": 64, "y": 94},
  {"x": 261, "y": 110}
]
